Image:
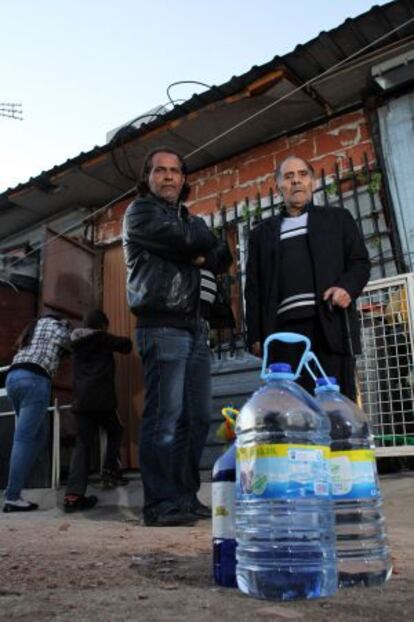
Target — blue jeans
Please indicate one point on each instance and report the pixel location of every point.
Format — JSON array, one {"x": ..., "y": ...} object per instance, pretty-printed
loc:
[
  {"x": 176, "y": 415},
  {"x": 29, "y": 394}
]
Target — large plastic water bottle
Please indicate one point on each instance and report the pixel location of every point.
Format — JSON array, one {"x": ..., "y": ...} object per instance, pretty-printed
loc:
[
  {"x": 361, "y": 542},
  {"x": 223, "y": 505},
  {"x": 285, "y": 528}
]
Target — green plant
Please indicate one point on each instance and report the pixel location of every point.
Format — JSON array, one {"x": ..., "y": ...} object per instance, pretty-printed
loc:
[
  {"x": 332, "y": 189},
  {"x": 249, "y": 213},
  {"x": 375, "y": 183}
]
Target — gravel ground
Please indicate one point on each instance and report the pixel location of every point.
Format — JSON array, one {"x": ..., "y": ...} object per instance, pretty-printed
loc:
[{"x": 105, "y": 566}]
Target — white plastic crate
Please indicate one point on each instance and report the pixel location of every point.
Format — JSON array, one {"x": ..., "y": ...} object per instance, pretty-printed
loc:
[{"x": 386, "y": 366}]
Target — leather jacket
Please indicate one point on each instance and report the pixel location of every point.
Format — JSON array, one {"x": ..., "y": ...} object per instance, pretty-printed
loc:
[{"x": 160, "y": 242}]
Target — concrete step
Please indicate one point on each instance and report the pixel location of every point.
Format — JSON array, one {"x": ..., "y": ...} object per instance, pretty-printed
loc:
[{"x": 129, "y": 497}]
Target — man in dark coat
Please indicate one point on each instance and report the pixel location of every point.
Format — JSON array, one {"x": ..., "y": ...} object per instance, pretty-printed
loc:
[
  {"x": 94, "y": 405},
  {"x": 171, "y": 259},
  {"x": 306, "y": 266}
]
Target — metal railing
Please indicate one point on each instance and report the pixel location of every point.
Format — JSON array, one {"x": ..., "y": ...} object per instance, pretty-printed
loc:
[
  {"x": 358, "y": 189},
  {"x": 56, "y": 411}
]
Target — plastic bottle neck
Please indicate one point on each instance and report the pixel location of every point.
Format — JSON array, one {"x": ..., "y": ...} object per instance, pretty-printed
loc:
[{"x": 326, "y": 388}]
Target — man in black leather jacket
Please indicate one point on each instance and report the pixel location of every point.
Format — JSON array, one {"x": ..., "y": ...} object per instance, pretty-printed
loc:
[{"x": 165, "y": 248}]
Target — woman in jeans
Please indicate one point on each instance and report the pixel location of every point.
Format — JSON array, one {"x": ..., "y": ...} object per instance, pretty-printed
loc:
[{"x": 28, "y": 385}]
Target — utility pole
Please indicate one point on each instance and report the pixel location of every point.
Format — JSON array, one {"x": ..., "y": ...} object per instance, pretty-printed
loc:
[{"x": 11, "y": 111}]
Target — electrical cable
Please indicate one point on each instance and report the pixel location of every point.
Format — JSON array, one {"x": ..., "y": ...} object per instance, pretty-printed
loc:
[
  {"x": 121, "y": 136},
  {"x": 169, "y": 87},
  {"x": 229, "y": 130}
]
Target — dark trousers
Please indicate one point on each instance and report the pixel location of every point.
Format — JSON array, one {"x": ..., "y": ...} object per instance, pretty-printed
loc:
[
  {"x": 88, "y": 424},
  {"x": 176, "y": 415},
  {"x": 341, "y": 366}
]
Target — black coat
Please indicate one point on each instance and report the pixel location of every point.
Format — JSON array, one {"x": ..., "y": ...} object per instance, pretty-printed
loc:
[
  {"x": 339, "y": 257},
  {"x": 160, "y": 243},
  {"x": 94, "y": 368}
]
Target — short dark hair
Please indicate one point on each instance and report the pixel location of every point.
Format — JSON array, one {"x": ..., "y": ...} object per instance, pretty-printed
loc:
[
  {"x": 143, "y": 188},
  {"x": 278, "y": 169},
  {"x": 95, "y": 318}
]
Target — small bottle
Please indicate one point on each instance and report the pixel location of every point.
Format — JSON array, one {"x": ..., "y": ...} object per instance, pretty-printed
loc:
[
  {"x": 285, "y": 527},
  {"x": 223, "y": 501},
  {"x": 361, "y": 542}
]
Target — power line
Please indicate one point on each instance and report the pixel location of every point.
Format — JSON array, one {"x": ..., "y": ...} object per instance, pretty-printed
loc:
[{"x": 299, "y": 88}]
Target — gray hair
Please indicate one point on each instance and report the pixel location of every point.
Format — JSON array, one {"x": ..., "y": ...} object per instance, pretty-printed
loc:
[{"x": 278, "y": 169}]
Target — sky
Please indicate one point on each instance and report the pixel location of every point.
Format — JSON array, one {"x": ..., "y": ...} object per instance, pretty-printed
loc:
[{"x": 84, "y": 67}]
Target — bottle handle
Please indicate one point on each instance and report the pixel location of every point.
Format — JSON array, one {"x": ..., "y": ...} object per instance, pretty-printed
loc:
[
  {"x": 311, "y": 357},
  {"x": 285, "y": 338}
]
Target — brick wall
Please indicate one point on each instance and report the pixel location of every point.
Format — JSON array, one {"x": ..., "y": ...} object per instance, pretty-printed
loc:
[
  {"x": 250, "y": 173},
  {"x": 247, "y": 174}
]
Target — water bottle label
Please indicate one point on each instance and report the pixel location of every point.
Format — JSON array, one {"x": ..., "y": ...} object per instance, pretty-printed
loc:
[
  {"x": 223, "y": 501},
  {"x": 282, "y": 471},
  {"x": 354, "y": 474}
]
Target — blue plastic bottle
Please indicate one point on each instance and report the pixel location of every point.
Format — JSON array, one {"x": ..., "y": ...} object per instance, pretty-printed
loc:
[
  {"x": 223, "y": 501},
  {"x": 362, "y": 549},
  {"x": 284, "y": 511}
]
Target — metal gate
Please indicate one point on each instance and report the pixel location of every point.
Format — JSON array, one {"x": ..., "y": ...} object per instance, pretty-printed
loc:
[
  {"x": 386, "y": 365},
  {"x": 358, "y": 189}
]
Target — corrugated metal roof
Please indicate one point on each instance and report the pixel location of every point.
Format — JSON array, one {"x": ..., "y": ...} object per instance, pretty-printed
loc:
[{"x": 96, "y": 176}]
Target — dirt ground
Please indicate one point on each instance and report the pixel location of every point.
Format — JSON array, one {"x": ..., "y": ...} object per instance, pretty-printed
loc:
[{"x": 104, "y": 566}]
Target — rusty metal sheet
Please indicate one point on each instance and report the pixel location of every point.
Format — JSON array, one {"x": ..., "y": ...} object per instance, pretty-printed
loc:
[
  {"x": 129, "y": 375},
  {"x": 67, "y": 275}
]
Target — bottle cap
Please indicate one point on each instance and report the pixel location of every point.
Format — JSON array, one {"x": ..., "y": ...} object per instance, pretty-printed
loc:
[
  {"x": 328, "y": 380},
  {"x": 326, "y": 384},
  {"x": 280, "y": 371}
]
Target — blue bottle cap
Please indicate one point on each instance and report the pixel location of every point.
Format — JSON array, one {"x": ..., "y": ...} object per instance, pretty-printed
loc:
[
  {"x": 280, "y": 367},
  {"x": 326, "y": 384},
  {"x": 328, "y": 380},
  {"x": 280, "y": 371}
]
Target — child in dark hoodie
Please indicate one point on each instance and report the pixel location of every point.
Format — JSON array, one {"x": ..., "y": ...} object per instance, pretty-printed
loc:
[{"x": 94, "y": 405}]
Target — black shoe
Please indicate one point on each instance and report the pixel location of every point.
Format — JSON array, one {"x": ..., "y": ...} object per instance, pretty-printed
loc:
[
  {"x": 79, "y": 503},
  {"x": 200, "y": 510},
  {"x": 173, "y": 518},
  {"x": 112, "y": 479},
  {"x": 19, "y": 506}
]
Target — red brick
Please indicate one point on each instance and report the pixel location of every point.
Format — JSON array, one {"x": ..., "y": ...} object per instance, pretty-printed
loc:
[
  {"x": 266, "y": 186},
  {"x": 205, "y": 206},
  {"x": 328, "y": 164},
  {"x": 216, "y": 185},
  {"x": 205, "y": 173},
  {"x": 357, "y": 154},
  {"x": 365, "y": 131},
  {"x": 261, "y": 151},
  {"x": 280, "y": 145},
  {"x": 207, "y": 187},
  {"x": 351, "y": 117},
  {"x": 229, "y": 164},
  {"x": 228, "y": 181},
  {"x": 326, "y": 144},
  {"x": 301, "y": 149},
  {"x": 253, "y": 169}
]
